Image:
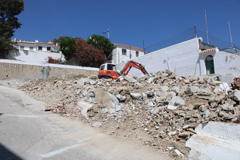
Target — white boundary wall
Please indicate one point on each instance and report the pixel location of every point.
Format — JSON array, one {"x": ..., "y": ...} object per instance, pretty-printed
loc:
[
  {"x": 226, "y": 63},
  {"x": 184, "y": 59},
  {"x": 35, "y": 56},
  {"x": 181, "y": 58}
]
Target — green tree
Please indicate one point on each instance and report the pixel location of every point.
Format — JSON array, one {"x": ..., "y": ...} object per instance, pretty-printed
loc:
[
  {"x": 67, "y": 46},
  {"x": 9, "y": 9},
  {"x": 101, "y": 43}
]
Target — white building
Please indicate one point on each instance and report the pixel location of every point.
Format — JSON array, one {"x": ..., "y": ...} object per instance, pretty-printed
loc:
[
  {"x": 36, "y": 52},
  {"x": 36, "y": 46},
  {"x": 124, "y": 53},
  {"x": 189, "y": 58}
]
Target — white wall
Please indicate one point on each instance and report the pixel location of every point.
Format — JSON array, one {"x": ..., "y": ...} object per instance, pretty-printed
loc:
[
  {"x": 227, "y": 63},
  {"x": 182, "y": 58},
  {"x": 117, "y": 56},
  {"x": 35, "y": 56}
]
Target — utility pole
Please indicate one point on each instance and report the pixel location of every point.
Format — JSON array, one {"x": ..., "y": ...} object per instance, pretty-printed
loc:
[
  {"x": 143, "y": 47},
  {"x": 230, "y": 33},
  {"x": 195, "y": 31},
  {"x": 107, "y": 32},
  {"x": 206, "y": 26}
]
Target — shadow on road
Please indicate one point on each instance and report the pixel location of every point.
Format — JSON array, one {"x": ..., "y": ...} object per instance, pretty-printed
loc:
[{"x": 7, "y": 154}]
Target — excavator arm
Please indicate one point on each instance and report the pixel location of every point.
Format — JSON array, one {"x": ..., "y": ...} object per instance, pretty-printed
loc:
[{"x": 134, "y": 64}]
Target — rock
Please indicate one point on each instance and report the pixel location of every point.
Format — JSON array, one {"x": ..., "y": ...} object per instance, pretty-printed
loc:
[
  {"x": 150, "y": 80},
  {"x": 227, "y": 107},
  {"x": 158, "y": 93},
  {"x": 104, "y": 110},
  {"x": 92, "y": 82},
  {"x": 84, "y": 107},
  {"x": 178, "y": 153},
  {"x": 121, "y": 98},
  {"x": 93, "y": 111},
  {"x": 118, "y": 108},
  {"x": 97, "y": 124},
  {"x": 184, "y": 134},
  {"x": 47, "y": 108},
  {"x": 136, "y": 95},
  {"x": 91, "y": 94},
  {"x": 175, "y": 101},
  {"x": 236, "y": 95},
  {"x": 112, "y": 111},
  {"x": 206, "y": 114},
  {"x": 144, "y": 96},
  {"x": 187, "y": 81},
  {"x": 163, "y": 88},
  {"x": 225, "y": 115},
  {"x": 151, "y": 104},
  {"x": 172, "y": 133},
  {"x": 176, "y": 90},
  {"x": 192, "y": 90},
  {"x": 171, "y": 107},
  {"x": 203, "y": 108},
  {"x": 155, "y": 110},
  {"x": 104, "y": 98},
  {"x": 84, "y": 93},
  {"x": 150, "y": 93}
]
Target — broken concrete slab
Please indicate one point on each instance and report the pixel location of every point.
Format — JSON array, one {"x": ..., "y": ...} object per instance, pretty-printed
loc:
[
  {"x": 215, "y": 141},
  {"x": 84, "y": 107}
]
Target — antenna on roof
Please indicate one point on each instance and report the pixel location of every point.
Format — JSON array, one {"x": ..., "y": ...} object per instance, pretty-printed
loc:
[
  {"x": 206, "y": 26},
  {"x": 230, "y": 33}
]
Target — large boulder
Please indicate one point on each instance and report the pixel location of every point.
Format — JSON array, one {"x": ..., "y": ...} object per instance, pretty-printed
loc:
[{"x": 104, "y": 98}]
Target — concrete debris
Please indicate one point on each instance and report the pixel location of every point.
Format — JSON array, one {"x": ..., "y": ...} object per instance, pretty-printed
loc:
[
  {"x": 215, "y": 141},
  {"x": 163, "y": 107}
]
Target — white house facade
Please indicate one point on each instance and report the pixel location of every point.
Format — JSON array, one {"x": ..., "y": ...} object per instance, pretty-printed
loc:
[
  {"x": 189, "y": 58},
  {"x": 36, "y": 46},
  {"x": 36, "y": 52},
  {"x": 124, "y": 53}
]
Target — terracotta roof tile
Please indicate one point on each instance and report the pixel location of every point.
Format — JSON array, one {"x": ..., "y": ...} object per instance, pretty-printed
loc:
[{"x": 208, "y": 50}]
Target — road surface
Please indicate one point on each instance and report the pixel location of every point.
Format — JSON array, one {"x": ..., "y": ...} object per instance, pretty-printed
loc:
[{"x": 28, "y": 133}]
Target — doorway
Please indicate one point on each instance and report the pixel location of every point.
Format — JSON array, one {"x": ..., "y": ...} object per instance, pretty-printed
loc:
[{"x": 209, "y": 65}]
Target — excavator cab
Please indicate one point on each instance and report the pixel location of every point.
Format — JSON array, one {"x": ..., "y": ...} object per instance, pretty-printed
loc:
[{"x": 108, "y": 71}]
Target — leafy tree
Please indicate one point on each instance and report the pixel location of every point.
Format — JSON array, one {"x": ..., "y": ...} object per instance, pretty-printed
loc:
[
  {"x": 9, "y": 9},
  {"x": 88, "y": 55},
  {"x": 101, "y": 43},
  {"x": 67, "y": 46}
]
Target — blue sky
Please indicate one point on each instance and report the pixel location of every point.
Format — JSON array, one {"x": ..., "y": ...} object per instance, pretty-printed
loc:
[{"x": 130, "y": 21}]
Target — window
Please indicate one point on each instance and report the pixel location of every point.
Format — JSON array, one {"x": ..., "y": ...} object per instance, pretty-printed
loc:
[
  {"x": 21, "y": 47},
  {"x": 48, "y": 48},
  {"x": 39, "y": 48},
  {"x": 124, "y": 52},
  {"x": 31, "y": 48},
  {"x": 102, "y": 67},
  {"x": 137, "y": 53}
]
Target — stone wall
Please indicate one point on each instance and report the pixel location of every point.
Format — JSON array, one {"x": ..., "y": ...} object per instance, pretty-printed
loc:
[{"x": 11, "y": 70}]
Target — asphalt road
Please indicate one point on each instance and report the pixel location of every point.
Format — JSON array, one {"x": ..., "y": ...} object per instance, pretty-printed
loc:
[{"x": 28, "y": 133}]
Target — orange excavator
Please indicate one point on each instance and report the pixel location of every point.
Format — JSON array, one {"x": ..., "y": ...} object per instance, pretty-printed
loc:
[{"x": 108, "y": 70}]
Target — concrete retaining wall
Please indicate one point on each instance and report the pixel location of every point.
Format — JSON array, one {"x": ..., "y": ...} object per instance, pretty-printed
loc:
[{"x": 19, "y": 70}]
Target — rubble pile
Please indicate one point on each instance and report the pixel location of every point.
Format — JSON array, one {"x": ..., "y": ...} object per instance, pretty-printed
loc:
[{"x": 161, "y": 110}]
